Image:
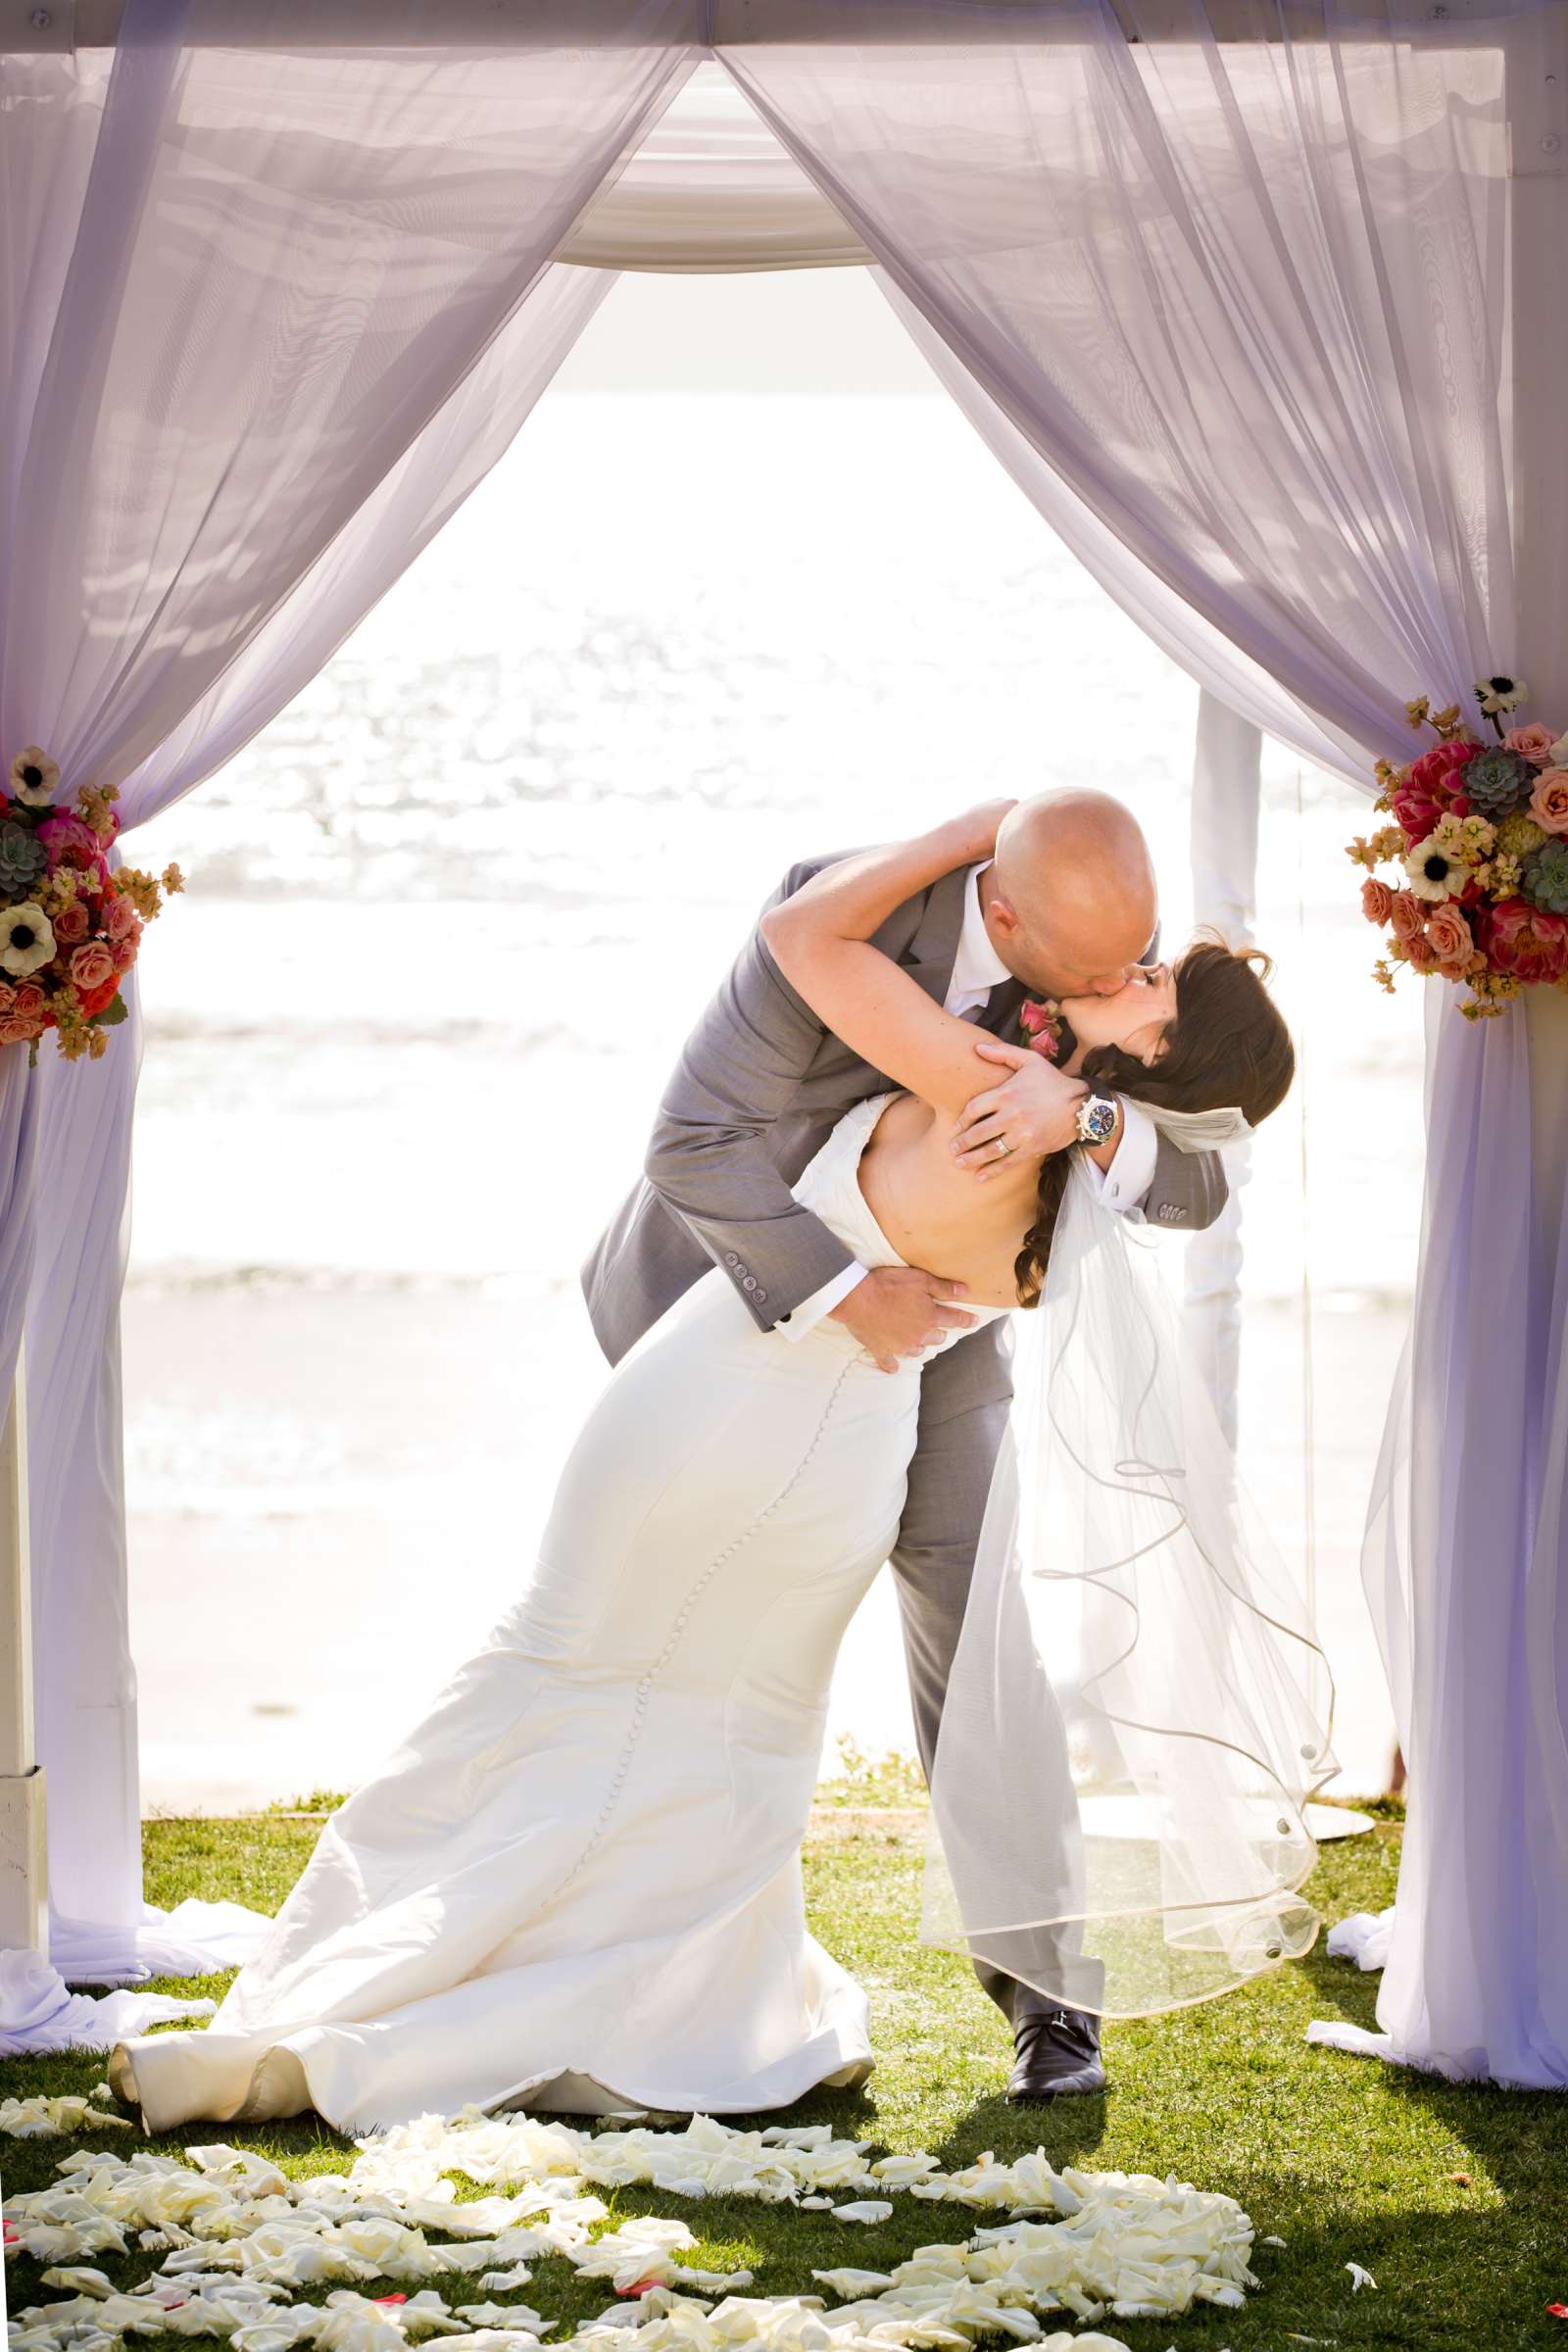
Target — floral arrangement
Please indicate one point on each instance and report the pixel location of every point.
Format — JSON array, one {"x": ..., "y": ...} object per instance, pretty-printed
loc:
[
  {"x": 1480, "y": 837},
  {"x": 69, "y": 925},
  {"x": 1043, "y": 1025}
]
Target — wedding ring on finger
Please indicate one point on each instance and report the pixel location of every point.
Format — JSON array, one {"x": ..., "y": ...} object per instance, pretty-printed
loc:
[{"x": 1002, "y": 1147}]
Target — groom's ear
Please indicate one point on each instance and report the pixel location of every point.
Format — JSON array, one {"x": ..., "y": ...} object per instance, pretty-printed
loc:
[{"x": 1002, "y": 913}]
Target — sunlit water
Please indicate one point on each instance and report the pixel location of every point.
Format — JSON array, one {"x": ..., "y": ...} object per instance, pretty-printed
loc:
[{"x": 450, "y": 918}]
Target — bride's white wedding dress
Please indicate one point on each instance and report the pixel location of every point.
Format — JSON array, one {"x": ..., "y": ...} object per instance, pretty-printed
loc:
[{"x": 576, "y": 1885}]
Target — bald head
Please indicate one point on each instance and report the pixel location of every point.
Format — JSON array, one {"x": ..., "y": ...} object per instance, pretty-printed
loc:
[{"x": 1069, "y": 898}]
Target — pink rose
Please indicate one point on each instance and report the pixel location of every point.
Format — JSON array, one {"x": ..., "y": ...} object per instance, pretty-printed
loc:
[
  {"x": 1430, "y": 788},
  {"x": 1407, "y": 914},
  {"x": 1415, "y": 813},
  {"x": 119, "y": 917},
  {"x": 1448, "y": 935},
  {"x": 68, "y": 841},
  {"x": 1525, "y": 940},
  {"x": 1533, "y": 743},
  {"x": 71, "y": 925},
  {"x": 1420, "y": 957},
  {"x": 31, "y": 999},
  {"x": 1377, "y": 899},
  {"x": 1549, "y": 803},
  {"x": 18, "y": 1027},
  {"x": 91, "y": 966}
]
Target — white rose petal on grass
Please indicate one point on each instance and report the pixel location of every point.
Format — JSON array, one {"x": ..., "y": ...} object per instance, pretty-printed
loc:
[
  {"x": 1063, "y": 2244},
  {"x": 869, "y": 2210},
  {"x": 81, "y": 2281},
  {"x": 1359, "y": 2278},
  {"x": 57, "y": 2118},
  {"x": 239, "y": 2168}
]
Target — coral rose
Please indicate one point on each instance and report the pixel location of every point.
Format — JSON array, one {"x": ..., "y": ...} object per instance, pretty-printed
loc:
[
  {"x": 1533, "y": 743},
  {"x": 1377, "y": 899},
  {"x": 1525, "y": 940},
  {"x": 1420, "y": 957},
  {"x": 1448, "y": 935},
  {"x": 94, "y": 1000},
  {"x": 30, "y": 999},
  {"x": 91, "y": 965},
  {"x": 1407, "y": 915},
  {"x": 71, "y": 925},
  {"x": 1549, "y": 803},
  {"x": 119, "y": 917}
]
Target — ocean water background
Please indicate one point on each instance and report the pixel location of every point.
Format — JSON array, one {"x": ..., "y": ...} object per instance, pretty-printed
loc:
[{"x": 447, "y": 923}]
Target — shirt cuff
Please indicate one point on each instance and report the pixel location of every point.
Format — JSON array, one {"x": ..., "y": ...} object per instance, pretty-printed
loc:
[
  {"x": 1124, "y": 1185},
  {"x": 810, "y": 1312}
]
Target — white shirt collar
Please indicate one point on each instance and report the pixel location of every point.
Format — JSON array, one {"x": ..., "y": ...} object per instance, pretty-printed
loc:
[{"x": 977, "y": 968}]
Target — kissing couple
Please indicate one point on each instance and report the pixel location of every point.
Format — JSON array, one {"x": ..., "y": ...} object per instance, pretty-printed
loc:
[{"x": 881, "y": 1295}]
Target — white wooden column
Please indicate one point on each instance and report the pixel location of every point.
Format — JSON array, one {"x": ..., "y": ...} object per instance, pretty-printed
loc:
[
  {"x": 1227, "y": 765},
  {"x": 23, "y": 1876}
]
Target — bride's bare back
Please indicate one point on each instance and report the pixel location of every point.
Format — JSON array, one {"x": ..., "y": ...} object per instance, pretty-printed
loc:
[{"x": 938, "y": 1216}]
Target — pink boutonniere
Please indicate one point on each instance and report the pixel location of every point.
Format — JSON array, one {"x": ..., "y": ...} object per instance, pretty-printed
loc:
[{"x": 1041, "y": 1024}]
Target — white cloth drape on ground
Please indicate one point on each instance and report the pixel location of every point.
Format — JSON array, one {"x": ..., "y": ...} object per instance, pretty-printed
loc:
[
  {"x": 267, "y": 317},
  {"x": 37, "y": 2013}
]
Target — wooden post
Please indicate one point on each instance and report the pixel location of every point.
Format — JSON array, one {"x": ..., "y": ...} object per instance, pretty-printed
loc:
[{"x": 24, "y": 1869}]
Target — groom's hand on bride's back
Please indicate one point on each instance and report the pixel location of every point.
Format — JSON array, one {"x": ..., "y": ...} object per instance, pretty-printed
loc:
[{"x": 902, "y": 1310}]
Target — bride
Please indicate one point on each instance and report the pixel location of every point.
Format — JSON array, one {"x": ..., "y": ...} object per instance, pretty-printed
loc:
[{"x": 576, "y": 1883}]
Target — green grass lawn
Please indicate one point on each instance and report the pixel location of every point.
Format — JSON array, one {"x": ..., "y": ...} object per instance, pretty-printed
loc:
[{"x": 1344, "y": 2159}]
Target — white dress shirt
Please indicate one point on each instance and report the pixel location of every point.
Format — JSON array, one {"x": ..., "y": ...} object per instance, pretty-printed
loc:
[{"x": 977, "y": 969}]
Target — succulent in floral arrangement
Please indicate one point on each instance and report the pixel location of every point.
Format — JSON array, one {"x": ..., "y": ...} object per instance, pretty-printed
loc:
[
  {"x": 1497, "y": 782},
  {"x": 1546, "y": 877},
  {"x": 1519, "y": 834},
  {"x": 23, "y": 860}
]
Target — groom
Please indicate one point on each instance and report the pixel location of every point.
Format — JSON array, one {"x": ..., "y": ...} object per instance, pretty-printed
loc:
[{"x": 1066, "y": 907}]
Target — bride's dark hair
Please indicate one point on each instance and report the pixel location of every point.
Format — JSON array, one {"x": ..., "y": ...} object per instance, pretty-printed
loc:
[{"x": 1228, "y": 1044}]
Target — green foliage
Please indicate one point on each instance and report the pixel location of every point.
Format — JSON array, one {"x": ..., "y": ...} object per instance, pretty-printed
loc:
[{"x": 895, "y": 1778}]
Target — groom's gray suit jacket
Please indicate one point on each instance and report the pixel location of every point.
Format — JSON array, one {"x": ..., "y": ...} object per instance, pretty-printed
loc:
[{"x": 756, "y": 1091}]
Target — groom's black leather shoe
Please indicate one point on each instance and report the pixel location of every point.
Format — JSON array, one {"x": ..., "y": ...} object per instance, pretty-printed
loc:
[{"x": 1059, "y": 2057}]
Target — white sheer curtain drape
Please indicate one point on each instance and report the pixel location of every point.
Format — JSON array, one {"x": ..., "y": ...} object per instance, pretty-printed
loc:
[
  {"x": 266, "y": 317},
  {"x": 1276, "y": 292}
]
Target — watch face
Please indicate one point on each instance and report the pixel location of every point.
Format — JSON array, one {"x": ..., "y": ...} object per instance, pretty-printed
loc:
[{"x": 1099, "y": 1118}]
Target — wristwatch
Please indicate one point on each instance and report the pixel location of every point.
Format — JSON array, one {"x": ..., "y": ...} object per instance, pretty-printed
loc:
[{"x": 1096, "y": 1118}]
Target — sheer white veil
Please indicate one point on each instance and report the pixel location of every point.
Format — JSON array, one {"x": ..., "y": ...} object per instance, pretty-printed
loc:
[{"x": 1138, "y": 1711}]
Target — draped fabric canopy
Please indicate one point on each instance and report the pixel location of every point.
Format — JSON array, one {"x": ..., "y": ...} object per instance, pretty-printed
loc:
[
  {"x": 1259, "y": 305},
  {"x": 266, "y": 317}
]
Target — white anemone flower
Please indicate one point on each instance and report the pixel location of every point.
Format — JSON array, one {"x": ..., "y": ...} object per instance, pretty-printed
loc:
[
  {"x": 1497, "y": 695},
  {"x": 27, "y": 938},
  {"x": 1436, "y": 870},
  {"x": 35, "y": 778}
]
